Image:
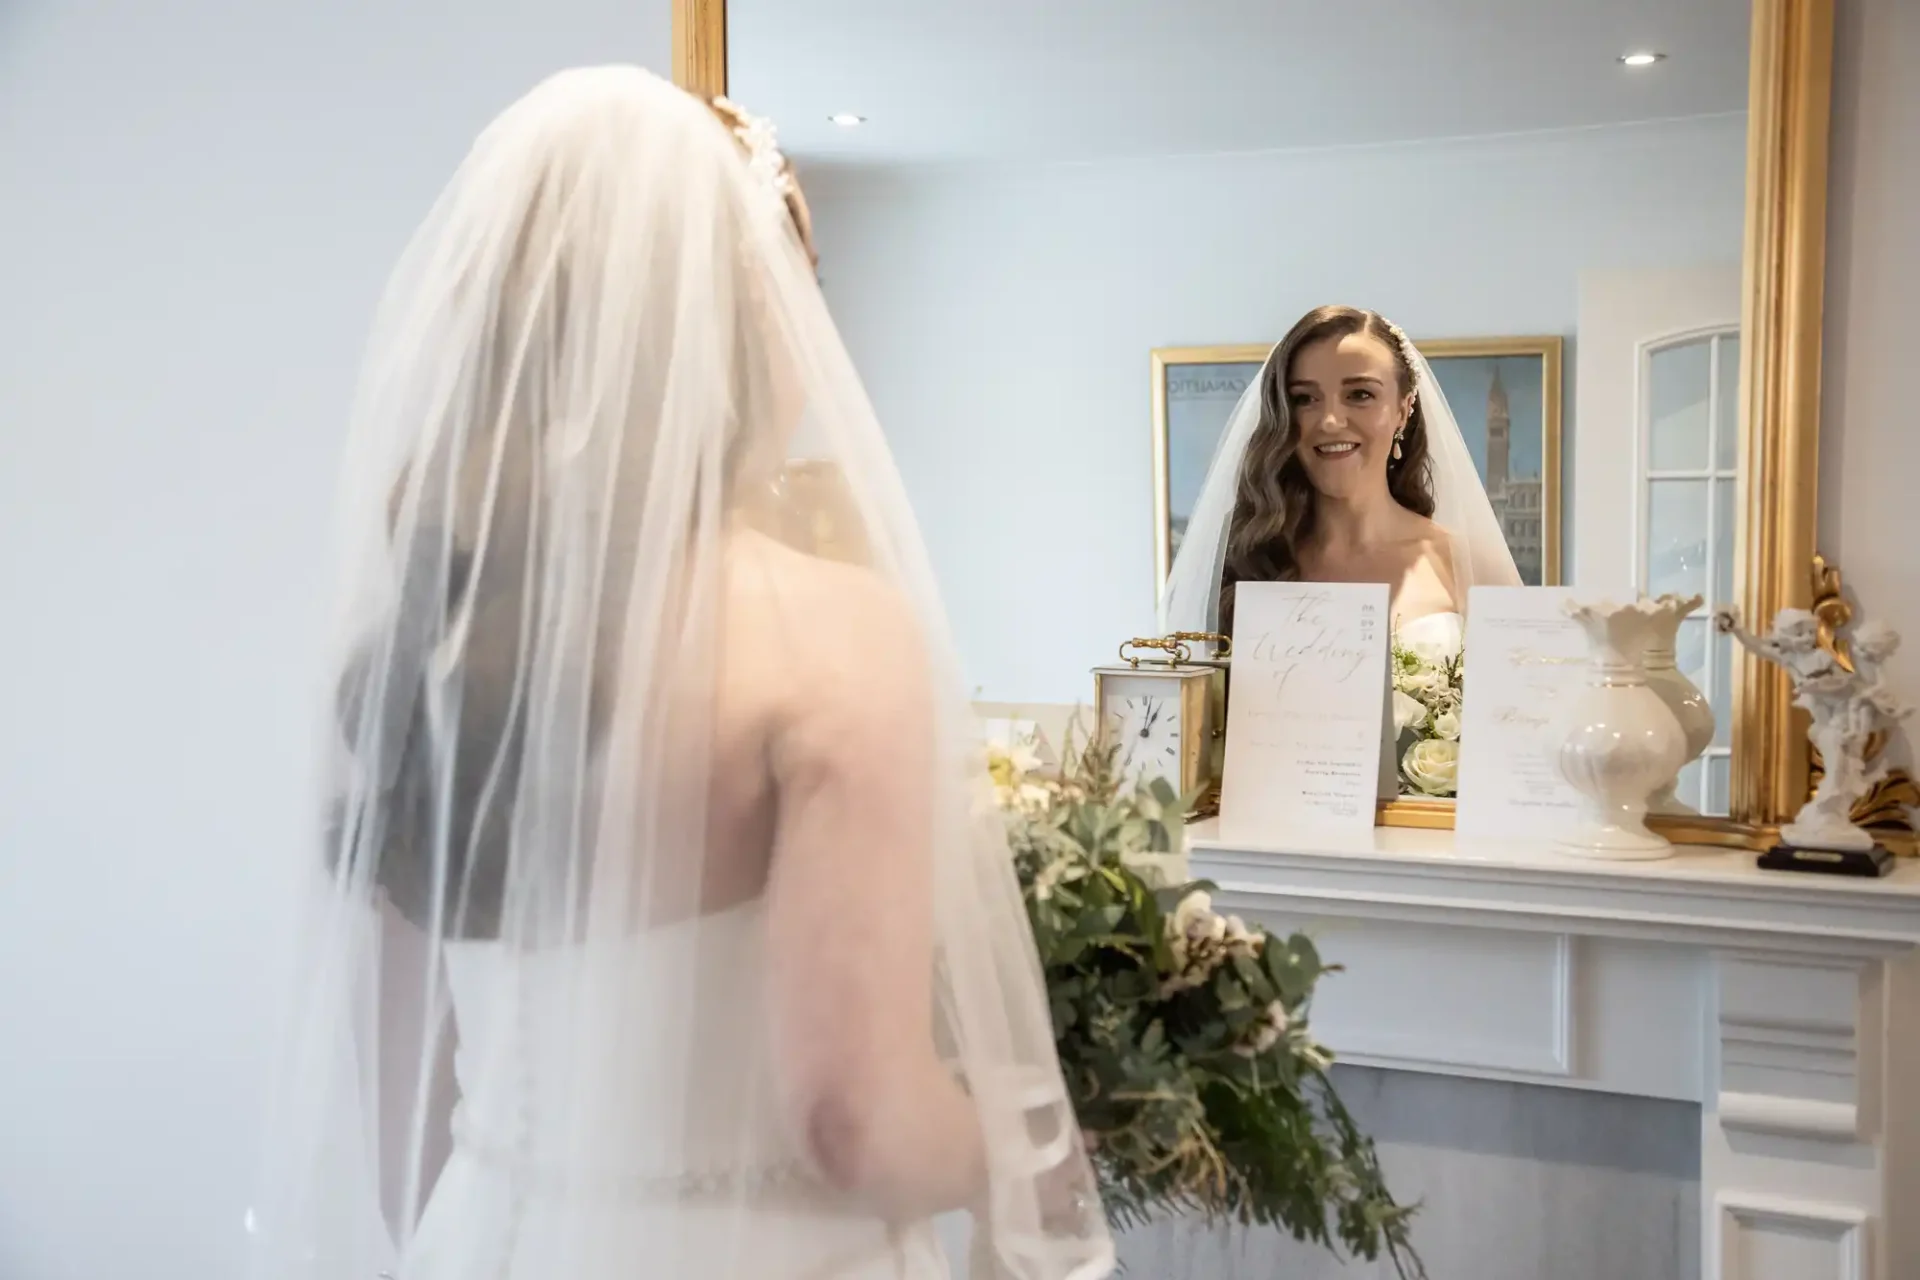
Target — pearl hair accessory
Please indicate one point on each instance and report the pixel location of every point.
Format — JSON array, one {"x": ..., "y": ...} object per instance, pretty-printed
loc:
[
  {"x": 761, "y": 141},
  {"x": 1407, "y": 349}
]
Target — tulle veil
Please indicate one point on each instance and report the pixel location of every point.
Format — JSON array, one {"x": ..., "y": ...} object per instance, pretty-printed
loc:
[{"x": 603, "y": 352}]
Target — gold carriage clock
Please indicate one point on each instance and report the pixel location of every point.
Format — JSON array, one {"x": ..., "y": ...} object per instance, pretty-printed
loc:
[{"x": 1166, "y": 715}]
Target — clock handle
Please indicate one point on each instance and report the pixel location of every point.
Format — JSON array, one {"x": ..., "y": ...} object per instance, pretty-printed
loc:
[
  {"x": 1222, "y": 645},
  {"x": 1176, "y": 652}
]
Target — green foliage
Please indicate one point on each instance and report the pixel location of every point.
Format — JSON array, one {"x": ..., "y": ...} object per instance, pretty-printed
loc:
[{"x": 1183, "y": 1033}]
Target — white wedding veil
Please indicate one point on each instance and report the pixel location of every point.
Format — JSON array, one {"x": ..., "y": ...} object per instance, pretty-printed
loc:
[
  {"x": 1190, "y": 600},
  {"x": 521, "y": 962}
]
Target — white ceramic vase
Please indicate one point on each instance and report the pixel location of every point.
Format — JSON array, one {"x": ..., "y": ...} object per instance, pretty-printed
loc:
[
  {"x": 1683, "y": 698},
  {"x": 1619, "y": 742}
]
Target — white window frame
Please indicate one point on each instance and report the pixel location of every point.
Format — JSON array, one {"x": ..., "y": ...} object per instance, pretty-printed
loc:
[{"x": 1644, "y": 478}]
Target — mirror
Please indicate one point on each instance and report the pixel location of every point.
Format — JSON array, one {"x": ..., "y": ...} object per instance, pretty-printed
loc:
[{"x": 1059, "y": 250}]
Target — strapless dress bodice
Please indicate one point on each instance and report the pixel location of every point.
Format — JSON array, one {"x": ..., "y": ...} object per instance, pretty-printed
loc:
[
  {"x": 1434, "y": 636},
  {"x": 642, "y": 1063}
]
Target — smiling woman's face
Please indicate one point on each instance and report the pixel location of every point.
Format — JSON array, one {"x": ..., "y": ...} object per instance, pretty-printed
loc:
[{"x": 1346, "y": 403}]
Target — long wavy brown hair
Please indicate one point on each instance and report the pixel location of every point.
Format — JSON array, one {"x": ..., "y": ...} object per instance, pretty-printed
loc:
[{"x": 1273, "y": 507}]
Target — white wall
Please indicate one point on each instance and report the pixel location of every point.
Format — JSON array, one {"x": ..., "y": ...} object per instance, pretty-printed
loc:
[
  {"x": 1870, "y": 424},
  {"x": 198, "y": 203},
  {"x": 1003, "y": 317}
]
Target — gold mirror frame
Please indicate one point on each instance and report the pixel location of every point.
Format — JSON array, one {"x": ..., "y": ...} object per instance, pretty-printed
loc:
[{"x": 1790, "y": 82}]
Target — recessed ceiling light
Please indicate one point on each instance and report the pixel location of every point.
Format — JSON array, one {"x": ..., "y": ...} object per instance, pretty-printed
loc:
[
  {"x": 1645, "y": 58},
  {"x": 847, "y": 120}
]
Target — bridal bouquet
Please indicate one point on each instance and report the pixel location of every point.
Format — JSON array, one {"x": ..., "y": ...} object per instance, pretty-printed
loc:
[
  {"x": 1426, "y": 719},
  {"x": 1183, "y": 1033}
]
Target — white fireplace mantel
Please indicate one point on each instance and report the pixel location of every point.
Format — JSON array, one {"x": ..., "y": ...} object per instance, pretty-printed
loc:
[{"x": 1786, "y": 1005}]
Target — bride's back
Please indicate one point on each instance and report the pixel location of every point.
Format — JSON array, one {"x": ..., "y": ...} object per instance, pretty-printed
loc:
[
  {"x": 791, "y": 676},
  {"x": 810, "y": 652}
]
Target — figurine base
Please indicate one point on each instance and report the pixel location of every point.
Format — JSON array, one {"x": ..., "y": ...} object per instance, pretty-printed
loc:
[{"x": 1869, "y": 863}]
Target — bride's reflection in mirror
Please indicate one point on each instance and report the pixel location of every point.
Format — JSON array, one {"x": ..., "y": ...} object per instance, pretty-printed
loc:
[
  {"x": 1057, "y": 293},
  {"x": 1343, "y": 463}
]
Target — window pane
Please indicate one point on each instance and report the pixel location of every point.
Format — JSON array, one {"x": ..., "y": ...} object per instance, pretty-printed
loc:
[
  {"x": 1678, "y": 391},
  {"x": 1724, "y": 499},
  {"x": 1677, "y": 536},
  {"x": 1720, "y": 694},
  {"x": 1688, "y": 789},
  {"x": 1690, "y": 650},
  {"x": 1719, "y": 785},
  {"x": 1726, "y": 416}
]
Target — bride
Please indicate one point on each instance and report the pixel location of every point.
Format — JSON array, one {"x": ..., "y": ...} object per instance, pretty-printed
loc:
[
  {"x": 1342, "y": 463},
  {"x": 665, "y": 926}
]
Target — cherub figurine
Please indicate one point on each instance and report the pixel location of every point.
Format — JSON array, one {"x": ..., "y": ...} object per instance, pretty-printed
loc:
[{"x": 1848, "y": 707}]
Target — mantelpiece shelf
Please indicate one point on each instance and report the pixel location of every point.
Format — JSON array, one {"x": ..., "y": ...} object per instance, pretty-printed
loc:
[
  {"x": 1786, "y": 1005},
  {"x": 1707, "y": 896}
]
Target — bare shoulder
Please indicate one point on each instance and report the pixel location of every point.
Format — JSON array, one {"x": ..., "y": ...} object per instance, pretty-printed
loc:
[
  {"x": 1432, "y": 537},
  {"x": 1426, "y": 530},
  {"x": 838, "y": 636},
  {"x": 827, "y": 599}
]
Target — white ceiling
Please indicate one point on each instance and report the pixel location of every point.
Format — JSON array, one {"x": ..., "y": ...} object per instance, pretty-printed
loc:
[{"x": 1062, "y": 80}]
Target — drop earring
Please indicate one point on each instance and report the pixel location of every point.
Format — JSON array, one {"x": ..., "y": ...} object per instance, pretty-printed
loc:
[{"x": 1396, "y": 444}]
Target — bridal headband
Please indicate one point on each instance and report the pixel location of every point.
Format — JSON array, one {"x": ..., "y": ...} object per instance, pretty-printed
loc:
[
  {"x": 1409, "y": 354},
  {"x": 761, "y": 141}
]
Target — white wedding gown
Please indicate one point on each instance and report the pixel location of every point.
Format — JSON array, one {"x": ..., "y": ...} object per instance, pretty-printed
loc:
[
  {"x": 1434, "y": 635},
  {"x": 708, "y": 1181}
]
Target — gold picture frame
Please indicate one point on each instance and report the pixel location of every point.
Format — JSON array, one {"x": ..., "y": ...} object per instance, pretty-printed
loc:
[
  {"x": 1790, "y": 82},
  {"x": 1543, "y": 522}
]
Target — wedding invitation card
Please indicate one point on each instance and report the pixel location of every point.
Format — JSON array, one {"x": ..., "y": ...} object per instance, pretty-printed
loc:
[
  {"x": 1525, "y": 659},
  {"x": 1303, "y": 719}
]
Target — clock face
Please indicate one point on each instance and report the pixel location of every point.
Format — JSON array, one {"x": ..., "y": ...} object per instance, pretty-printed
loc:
[{"x": 1144, "y": 725}]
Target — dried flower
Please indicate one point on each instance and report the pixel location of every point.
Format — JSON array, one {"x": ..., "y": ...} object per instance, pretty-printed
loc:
[
  {"x": 1265, "y": 1033},
  {"x": 1201, "y": 940}
]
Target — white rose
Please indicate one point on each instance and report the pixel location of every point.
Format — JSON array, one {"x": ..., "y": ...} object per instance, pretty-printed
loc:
[
  {"x": 1407, "y": 713},
  {"x": 1425, "y": 680},
  {"x": 1447, "y": 725},
  {"x": 1432, "y": 653},
  {"x": 1433, "y": 765}
]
